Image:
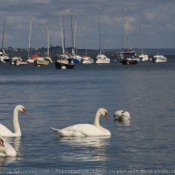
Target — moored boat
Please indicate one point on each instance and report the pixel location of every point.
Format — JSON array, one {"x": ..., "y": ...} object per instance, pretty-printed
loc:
[
  {"x": 41, "y": 61},
  {"x": 64, "y": 64},
  {"x": 159, "y": 58},
  {"x": 129, "y": 57},
  {"x": 19, "y": 61},
  {"x": 87, "y": 60}
]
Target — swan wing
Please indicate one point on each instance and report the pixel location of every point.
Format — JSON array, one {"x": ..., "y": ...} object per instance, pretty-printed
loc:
[
  {"x": 126, "y": 115},
  {"x": 4, "y": 131},
  {"x": 79, "y": 130}
]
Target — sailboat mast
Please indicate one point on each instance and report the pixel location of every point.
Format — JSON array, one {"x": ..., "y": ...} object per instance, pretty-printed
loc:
[
  {"x": 86, "y": 42},
  {"x": 72, "y": 33},
  {"x": 99, "y": 30},
  {"x": 127, "y": 32},
  {"x": 141, "y": 42},
  {"x": 62, "y": 41},
  {"x": 75, "y": 35},
  {"x": 47, "y": 32},
  {"x": 125, "y": 29},
  {"x": 30, "y": 36},
  {"x": 3, "y": 34}
]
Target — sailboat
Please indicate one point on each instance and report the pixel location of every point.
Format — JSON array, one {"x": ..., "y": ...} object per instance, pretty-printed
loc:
[
  {"x": 142, "y": 56},
  {"x": 32, "y": 55},
  {"x": 74, "y": 57},
  {"x": 63, "y": 61},
  {"x": 44, "y": 61},
  {"x": 86, "y": 59},
  {"x": 101, "y": 58},
  {"x": 128, "y": 55},
  {"x": 3, "y": 56}
]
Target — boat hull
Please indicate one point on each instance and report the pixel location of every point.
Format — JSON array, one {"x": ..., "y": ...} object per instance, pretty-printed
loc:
[
  {"x": 75, "y": 60},
  {"x": 129, "y": 62},
  {"x": 41, "y": 62},
  {"x": 20, "y": 62},
  {"x": 63, "y": 64}
]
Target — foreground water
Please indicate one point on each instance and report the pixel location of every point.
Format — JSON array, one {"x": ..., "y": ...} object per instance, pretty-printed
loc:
[{"x": 60, "y": 98}]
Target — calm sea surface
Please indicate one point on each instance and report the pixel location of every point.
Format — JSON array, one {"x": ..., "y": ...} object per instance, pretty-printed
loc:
[{"x": 60, "y": 98}]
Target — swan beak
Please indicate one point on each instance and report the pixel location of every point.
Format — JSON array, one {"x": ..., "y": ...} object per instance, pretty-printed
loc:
[
  {"x": 106, "y": 116},
  {"x": 2, "y": 143},
  {"x": 24, "y": 112}
]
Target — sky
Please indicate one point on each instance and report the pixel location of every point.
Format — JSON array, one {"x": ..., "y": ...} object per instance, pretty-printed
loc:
[{"x": 157, "y": 16}]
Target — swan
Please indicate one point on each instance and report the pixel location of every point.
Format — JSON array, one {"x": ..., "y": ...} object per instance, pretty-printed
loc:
[
  {"x": 4, "y": 131},
  {"x": 121, "y": 116},
  {"x": 6, "y": 149},
  {"x": 83, "y": 130}
]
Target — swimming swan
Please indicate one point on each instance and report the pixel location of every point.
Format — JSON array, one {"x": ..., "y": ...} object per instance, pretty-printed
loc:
[
  {"x": 6, "y": 149},
  {"x": 4, "y": 131},
  {"x": 121, "y": 116},
  {"x": 83, "y": 130}
]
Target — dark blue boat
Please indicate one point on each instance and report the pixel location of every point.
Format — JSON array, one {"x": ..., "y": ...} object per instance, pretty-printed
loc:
[{"x": 129, "y": 57}]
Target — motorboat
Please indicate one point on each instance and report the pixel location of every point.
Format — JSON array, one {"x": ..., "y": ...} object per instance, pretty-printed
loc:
[
  {"x": 19, "y": 61},
  {"x": 102, "y": 59},
  {"x": 159, "y": 58},
  {"x": 143, "y": 57},
  {"x": 87, "y": 60},
  {"x": 129, "y": 57},
  {"x": 4, "y": 57}
]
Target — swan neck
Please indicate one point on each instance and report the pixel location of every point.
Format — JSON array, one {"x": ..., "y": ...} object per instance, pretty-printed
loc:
[
  {"x": 97, "y": 118},
  {"x": 16, "y": 123}
]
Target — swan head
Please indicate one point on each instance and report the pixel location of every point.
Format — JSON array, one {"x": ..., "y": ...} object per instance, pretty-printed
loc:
[
  {"x": 21, "y": 108},
  {"x": 104, "y": 112},
  {"x": 2, "y": 142}
]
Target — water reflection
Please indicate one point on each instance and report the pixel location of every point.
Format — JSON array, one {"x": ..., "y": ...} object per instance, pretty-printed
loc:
[
  {"x": 96, "y": 142},
  {"x": 123, "y": 123},
  {"x": 17, "y": 142},
  {"x": 86, "y": 148}
]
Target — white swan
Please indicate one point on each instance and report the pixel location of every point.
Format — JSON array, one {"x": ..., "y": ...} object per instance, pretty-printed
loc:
[
  {"x": 82, "y": 130},
  {"x": 4, "y": 131},
  {"x": 6, "y": 149},
  {"x": 121, "y": 116}
]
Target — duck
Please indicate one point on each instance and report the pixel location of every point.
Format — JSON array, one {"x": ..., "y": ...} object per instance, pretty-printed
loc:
[
  {"x": 4, "y": 131},
  {"x": 6, "y": 149},
  {"x": 121, "y": 116},
  {"x": 86, "y": 130}
]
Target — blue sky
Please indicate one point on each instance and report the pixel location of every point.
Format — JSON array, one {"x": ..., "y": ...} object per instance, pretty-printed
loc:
[{"x": 158, "y": 24}]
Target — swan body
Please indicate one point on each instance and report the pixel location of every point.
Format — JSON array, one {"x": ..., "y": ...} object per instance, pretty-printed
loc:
[
  {"x": 83, "y": 130},
  {"x": 4, "y": 131},
  {"x": 121, "y": 116},
  {"x": 6, "y": 149}
]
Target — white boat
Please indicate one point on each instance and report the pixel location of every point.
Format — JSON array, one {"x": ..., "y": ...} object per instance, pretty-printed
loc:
[
  {"x": 18, "y": 61},
  {"x": 41, "y": 61},
  {"x": 101, "y": 59},
  {"x": 143, "y": 57},
  {"x": 4, "y": 57},
  {"x": 87, "y": 60},
  {"x": 159, "y": 58}
]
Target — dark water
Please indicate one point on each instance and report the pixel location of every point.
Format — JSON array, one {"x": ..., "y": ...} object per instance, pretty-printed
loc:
[{"x": 60, "y": 98}]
